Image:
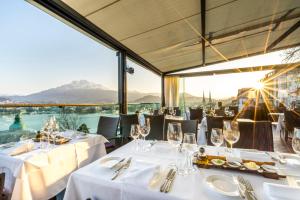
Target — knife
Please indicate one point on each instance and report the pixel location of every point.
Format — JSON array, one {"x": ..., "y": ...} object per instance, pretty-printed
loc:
[
  {"x": 123, "y": 167},
  {"x": 118, "y": 163},
  {"x": 163, "y": 186},
  {"x": 170, "y": 182}
]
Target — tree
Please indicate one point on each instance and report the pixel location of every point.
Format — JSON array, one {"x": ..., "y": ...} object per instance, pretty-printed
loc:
[{"x": 292, "y": 55}]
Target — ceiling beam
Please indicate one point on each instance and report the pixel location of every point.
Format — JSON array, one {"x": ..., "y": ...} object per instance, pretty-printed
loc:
[
  {"x": 203, "y": 20},
  {"x": 234, "y": 70},
  {"x": 61, "y": 10},
  {"x": 284, "y": 35},
  {"x": 232, "y": 59}
]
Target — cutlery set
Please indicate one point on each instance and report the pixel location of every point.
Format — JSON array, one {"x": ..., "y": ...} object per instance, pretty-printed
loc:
[
  {"x": 245, "y": 189},
  {"x": 166, "y": 186},
  {"x": 122, "y": 168}
]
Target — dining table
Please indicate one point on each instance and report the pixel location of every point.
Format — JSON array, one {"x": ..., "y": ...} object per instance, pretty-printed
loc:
[
  {"x": 148, "y": 170},
  {"x": 39, "y": 170}
]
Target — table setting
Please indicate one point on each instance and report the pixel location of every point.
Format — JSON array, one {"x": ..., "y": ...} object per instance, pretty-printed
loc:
[
  {"x": 37, "y": 168},
  {"x": 181, "y": 169}
]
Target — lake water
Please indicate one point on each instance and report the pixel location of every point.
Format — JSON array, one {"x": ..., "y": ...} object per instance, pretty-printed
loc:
[{"x": 36, "y": 121}]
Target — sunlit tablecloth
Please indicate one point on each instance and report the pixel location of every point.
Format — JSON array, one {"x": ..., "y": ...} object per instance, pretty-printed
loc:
[
  {"x": 92, "y": 182},
  {"x": 41, "y": 173}
]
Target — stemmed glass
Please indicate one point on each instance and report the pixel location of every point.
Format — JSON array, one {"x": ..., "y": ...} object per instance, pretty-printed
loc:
[
  {"x": 296, "y": 141},
  {"x": 174, "y": 133},
  {"x": 216, "y": 137},
  {"x": 145, "y": 130},
  {"x": 231, "y": 132},
  {"x": 135, "y": 133}
]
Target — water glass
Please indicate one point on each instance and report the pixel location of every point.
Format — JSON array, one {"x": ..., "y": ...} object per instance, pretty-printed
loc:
[
  {"x": 231, "y": 132},
  {"x": 190, "y": 145},
  {"x": 174, "y": 133},
  {"x": 296, "y": 141},
  {"x": 216, "y": 137},
  {"x": 135, "y": 133}
]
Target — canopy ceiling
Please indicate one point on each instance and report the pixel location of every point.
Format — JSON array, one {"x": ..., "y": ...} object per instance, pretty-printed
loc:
[{"x": 172, "y": 34}]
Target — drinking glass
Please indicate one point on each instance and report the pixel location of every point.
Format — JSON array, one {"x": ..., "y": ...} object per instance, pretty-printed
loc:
[
  {"x": 135, "y": 133},
  {"x": 174, "y": 133},
  {"x": 231, "y": 132},
  {"x": 216, "y": 137},
  {"x": 296, "y": 141},
  {"x": 190, "y": 145},
  {"x": 145, "y": 130}
]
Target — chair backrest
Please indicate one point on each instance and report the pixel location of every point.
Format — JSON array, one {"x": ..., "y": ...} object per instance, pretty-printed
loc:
[
  {"x": 2, "y": 179},
  {"x": 196, "y": 114},
  {"x": 125, "y": 123},
  {"x": 187, "y": 126},
  {"x": 156, "y": 112},
  {"x": 256, "y": 135},
  {"x": 213, "y": 122},
  {"x": 108, "y": 126},
  {"x": 291, "y": 120},
  {"x": 178, "y": 111},
  {"x": 234, "y": 108},
  {"x": 220, "y": 112},
  {"x": 156, "y": 126}
]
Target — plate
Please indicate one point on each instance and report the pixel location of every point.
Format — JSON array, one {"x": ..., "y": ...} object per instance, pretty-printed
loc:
[
  {"x": 269, "y": 168},
  {"x": 251, "y": 166},
  {"x": 234, "y": 164},
  {"x": 110, "y": 162},
  {"x": 217, "y": 162},
  {"x": 82, "y": 136},
  {"x": 222, "y": 184},
  {"x": 292, "y": 159}
]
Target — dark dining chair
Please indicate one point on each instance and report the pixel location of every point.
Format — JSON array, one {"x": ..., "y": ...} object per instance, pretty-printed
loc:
[
  {"x": 178, "y": 111},
  {"x": 108, "y": 127},
  {"x": 3, "y": 196},
  {"x": 291, "y": 121},
  {"x": 196, "y": 114},
  {"x": 187, "y": 126},
  {"x": 156, "y": 112},
  {"x": 235, "y": 109},
  {"x": 256, "y": 135},
  {"x": 213, "y": 122},
  {"x": 220, "y": 112},
  {"x": 126, "y": 120},
  {"x": 156, "y": 126}
]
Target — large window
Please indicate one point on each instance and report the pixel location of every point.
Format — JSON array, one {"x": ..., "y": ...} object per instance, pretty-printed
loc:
[
  {"x": 143, "y": 89},
  {"x": 44, "y": 61}
]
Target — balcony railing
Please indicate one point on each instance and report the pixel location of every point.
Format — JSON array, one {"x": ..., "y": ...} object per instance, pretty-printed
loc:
[{"x": 69, "y": 116}]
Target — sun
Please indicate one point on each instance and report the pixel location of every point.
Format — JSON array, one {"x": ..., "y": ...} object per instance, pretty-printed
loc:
[{"x": 259, "y": 85}]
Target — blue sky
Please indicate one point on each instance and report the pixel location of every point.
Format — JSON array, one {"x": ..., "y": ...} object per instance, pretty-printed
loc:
[{"x": 38, "y": 52}]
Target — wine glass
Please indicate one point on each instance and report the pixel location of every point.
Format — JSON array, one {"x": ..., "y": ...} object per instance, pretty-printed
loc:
[
  {"x": 216, "y": 137},
  {"x": 135, "y": 133},
  {"x": 174, "y": 133},
  {"x": 231, "y": 132},
  {"x": 145, "y": 129},
  {"x": 296, "y": 141}
]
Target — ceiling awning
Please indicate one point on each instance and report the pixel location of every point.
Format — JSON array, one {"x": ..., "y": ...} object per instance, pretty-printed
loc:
[{"x": 173, "y": 35}]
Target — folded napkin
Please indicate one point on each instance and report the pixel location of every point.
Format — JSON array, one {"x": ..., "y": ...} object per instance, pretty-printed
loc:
[
  {"x": 140, "y": 173},
  {"x": 18, "y": 149},
  {"x": 280, "y": 192}
]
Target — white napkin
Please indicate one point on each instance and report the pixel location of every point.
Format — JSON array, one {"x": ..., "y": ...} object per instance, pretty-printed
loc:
[
  {"x": 281, "y": 192},
  {"x": 140, "y": 173},
  {"x": 18, "y": 149}
]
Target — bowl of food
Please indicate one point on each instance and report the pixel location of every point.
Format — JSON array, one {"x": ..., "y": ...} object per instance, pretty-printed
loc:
[
  {"x": 251, "y": 166},
  {"x": 218, "y": 162}
]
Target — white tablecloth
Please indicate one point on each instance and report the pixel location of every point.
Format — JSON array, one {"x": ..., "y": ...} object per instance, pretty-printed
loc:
[
  {"x": 41, "y": 173},
  {"x": 95, "y": 183}
]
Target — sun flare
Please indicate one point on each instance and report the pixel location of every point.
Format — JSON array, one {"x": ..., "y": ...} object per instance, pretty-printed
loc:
[{"x": 259, "y": 85}]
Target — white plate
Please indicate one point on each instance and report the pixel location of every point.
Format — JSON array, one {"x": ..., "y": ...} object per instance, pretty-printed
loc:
[
  {"x": 109, "y": 162},
  {"x": 222, "y": 184},
  {"x": 292, "y": 159},
  {"x": 82, "y": 136}
]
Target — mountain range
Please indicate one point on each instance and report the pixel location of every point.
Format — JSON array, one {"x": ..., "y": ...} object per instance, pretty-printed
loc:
[{"x": 85, "y": 92}]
